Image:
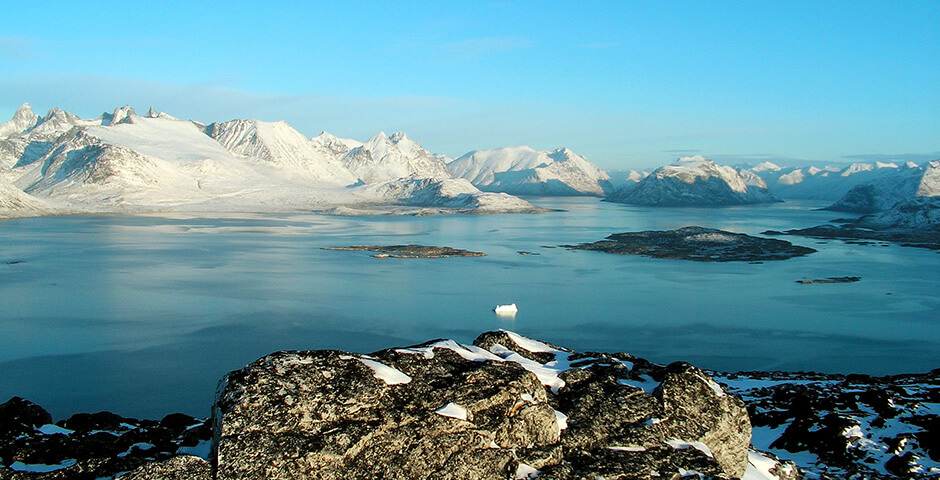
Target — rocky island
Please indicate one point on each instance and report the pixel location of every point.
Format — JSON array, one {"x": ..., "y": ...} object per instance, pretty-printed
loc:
[
  {"x": 504, "y": 407},
  {"x": 698, "y": 244},
  {"x": 409, "y": 251},
  {"x": 911, "y": 223}
]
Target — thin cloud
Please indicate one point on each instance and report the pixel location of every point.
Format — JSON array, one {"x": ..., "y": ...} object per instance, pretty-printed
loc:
[
  {"x": 894, "y": 157},
  {"x": 476, "y": 47}
]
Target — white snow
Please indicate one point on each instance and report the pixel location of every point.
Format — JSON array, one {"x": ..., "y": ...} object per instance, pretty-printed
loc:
[
  {"x": 561, "y": 420},
  {"x": 711, "y": 384},
  {"x": 529, "y": 344},
  {"x": 126, "y": 162},
  {"x": 452, "y": 410},
  {"x": 759, "y": 466},
  {"x": 39, "y": 467},
  {"x": 203, "y": 450},
  {"x": 51, "y": 429},
  {"x": 525, "y": 171},
  {"x": 389, "y": 375},
  {"x": 694, "y": 181},
  {"x": 628, "y": 448},
  {"x": 524, "y": 471},
  {"x": 682, "y": 444},
  {"x": 645, "y": 383}
]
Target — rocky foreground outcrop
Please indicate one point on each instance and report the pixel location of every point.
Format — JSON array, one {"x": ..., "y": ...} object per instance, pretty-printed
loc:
[{"x": 505, "y": 407}]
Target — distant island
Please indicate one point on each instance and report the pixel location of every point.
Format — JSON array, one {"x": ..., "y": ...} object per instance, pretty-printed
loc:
[
  {"x": 697, "y": 244},
  {"x": 409, "y": 251}
]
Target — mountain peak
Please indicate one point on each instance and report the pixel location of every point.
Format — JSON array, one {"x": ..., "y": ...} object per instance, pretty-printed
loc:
[
  {"x": 398, "y": 137},
  {"x": 22, "y": 120},
  {"x": 123, "y": 115}
]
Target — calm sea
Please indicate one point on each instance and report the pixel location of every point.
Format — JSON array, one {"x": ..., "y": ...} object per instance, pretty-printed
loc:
[{"x": 141, "y": 315}]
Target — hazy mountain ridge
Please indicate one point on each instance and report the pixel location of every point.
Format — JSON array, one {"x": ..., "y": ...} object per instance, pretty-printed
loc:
[
  {"x": 523, "y": 170},
  {"x": 122, "y": 161},
  {"x": 826, "y": 182},
  {"x": 903, "y": 185},
  {"x": 694, "y": 182}
]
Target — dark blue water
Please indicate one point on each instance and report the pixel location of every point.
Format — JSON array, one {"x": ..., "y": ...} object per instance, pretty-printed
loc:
[{"x": 142, "y": 314}]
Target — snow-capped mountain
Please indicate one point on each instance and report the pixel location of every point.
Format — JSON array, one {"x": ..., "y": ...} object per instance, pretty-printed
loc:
[
  {"x": 694, "y": 182},
  {"x": 277, "y": 144},
  {"x": 622, "y": 178},
  {"x": 526, "y": 171},
  {"x": 820, "y": 183},
  {"x": 901, "y": 184},
  {"x": 383, "y": 158},
  {"x": 22, "y": 120},
  {"x": 919, "y": 214},
  {"x": 456, "y": 193},
  {"x": 123, "y": 161}
]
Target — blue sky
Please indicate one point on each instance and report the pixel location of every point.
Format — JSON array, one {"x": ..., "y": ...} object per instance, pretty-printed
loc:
[{"x": 627, "y": 84}]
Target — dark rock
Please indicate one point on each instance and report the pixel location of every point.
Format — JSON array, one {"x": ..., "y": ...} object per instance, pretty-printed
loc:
[
  {"x": 410, "y": 251},
  {"x": 831, "y": 280},
  {"x": 698, "y": 244},
  {"x": 86, "y": 422},
  {"x": 18, "y": 416}
]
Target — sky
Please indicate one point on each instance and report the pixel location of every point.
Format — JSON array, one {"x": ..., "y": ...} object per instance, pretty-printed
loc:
[{"x": 626, "y": 84}]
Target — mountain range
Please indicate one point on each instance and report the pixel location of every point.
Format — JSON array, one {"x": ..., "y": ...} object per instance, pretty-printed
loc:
[
  {"x": 125, "y": 162},
  {"x": 122, "y": 161}
]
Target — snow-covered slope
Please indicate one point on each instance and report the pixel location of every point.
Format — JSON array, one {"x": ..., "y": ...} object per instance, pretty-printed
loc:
[
  {"x": 820, "y": 183},
  {"x": 277, "y": 144},
  {"x": 694, "y": 182},
  {"x": 17, "y": 203},
  {"x": 383, "y": 158},
  {"x": 920, "y": 214},
  {"x": 122, "y": 161},
  {"x": 900, "y": 185},
  {"x": 455, "y": 193},
  {"x": 526, "y": 171}
]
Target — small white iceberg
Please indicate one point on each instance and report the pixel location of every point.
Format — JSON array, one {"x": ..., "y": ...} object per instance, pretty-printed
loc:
[{"x": 511, "y": 308}]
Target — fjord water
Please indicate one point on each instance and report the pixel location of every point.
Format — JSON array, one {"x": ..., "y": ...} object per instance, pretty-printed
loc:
[{"x": 141, "y": 315}]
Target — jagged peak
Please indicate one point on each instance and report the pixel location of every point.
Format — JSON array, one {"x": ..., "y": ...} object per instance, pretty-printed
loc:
[
  {"x": 152, "y": 113},
  {"x": 24, "y": 109},
  {"x": 123, "y": 114},
  {"x": 399, "y": 137}
]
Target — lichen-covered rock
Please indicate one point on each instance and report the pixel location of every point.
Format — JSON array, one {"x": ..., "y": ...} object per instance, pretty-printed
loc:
[
  {"x": 183, "y": 467},
  {"x": 505, "y": 407},
  {"x": 427, "y": 412}
]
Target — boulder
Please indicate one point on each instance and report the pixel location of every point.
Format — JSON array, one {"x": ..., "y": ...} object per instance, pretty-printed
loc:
[
  {"x": 183, "y": 467},
  {"x": 505, "y": 407},
  {"x": 18, "y": 416}
]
